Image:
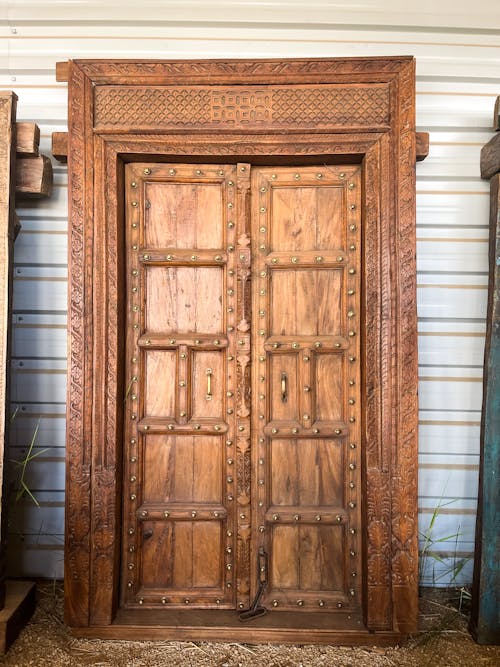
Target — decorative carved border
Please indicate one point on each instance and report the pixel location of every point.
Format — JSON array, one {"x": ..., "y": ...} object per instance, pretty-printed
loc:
[{"x": 390, "y": 400}]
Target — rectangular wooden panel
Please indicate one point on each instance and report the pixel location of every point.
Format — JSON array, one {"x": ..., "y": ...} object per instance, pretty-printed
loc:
[
  {"x": 306, "y": 388},
  {"x": 179, "y": 526}
]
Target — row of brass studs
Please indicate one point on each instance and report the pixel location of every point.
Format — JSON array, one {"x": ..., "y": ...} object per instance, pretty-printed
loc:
[{"x": 321, "y": 603}]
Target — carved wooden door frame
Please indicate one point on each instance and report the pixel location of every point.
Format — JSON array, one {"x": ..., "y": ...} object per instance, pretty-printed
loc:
[{"x": 262, "y": 112}]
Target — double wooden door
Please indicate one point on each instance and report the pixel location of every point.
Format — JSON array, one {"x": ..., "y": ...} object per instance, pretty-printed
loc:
[{"x": 242, "y": 388}]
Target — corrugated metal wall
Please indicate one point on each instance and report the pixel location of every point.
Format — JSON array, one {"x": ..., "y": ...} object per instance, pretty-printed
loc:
[{"x": 458, "y": 78}]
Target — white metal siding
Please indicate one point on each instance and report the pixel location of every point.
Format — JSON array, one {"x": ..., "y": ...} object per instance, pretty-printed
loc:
[{"x": 457, "y": 47}]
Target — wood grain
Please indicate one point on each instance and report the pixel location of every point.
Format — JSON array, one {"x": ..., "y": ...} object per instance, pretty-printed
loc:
[{"x": 206, "y": 249}]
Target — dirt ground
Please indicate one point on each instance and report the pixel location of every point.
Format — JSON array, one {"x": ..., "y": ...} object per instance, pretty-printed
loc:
[{"x": 442, "y": 641}]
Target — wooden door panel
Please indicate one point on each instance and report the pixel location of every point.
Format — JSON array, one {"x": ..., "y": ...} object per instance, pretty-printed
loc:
[
  {"x": 307, "y": 473},
  {"x": 184, "y": 299},
  {"x": 329, "y": 385},
  {"x": 284, "y": 380},
  {"x": 307, "y": 560},
  {"x": 207, "y": 377},
  {"x": 306, "y": 244},
  {"x": 306, "y": 301},
  {"x": 192, "y": 552},
  {"x": 160, "y": 383},
  {"x": 178, "y": 217},
  {"x": 182, "y": 469},
  {"x": 307, "y": 218},
  {"x": 179, "y": 510}
]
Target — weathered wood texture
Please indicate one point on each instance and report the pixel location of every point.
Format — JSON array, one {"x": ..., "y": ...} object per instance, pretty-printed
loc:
[
  {"x": 496, "y": 114},
  {"x": 341, "y": 295},
  {"x": 34, "y": 177},
  {"x": 27, "y": 139},
  {"x": 490, "y": 157},
  {"x": 60, "y": 146},
  {"x": 422, "y": 145},
  {"x": 19, "y": 607},
  {"x": 8, "y": 102},
  {"x": 485, "y": 617}
]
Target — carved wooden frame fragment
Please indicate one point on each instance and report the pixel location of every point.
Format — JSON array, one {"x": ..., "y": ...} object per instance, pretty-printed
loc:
[{"x": 261, "y": 112}]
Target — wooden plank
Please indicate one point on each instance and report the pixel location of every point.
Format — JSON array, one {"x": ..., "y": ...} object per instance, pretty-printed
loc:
[
  {"x": 62, "y": 71},
  {"x": 490, "y": 157},
  {"x": 496, "y": 114},
  {"x": 8, "y": 101},
  {"x": 27, "y": 139},
  {"x": 19, "y": 607},
  {"x": 485, "y": 619},
  {"x": 422, "y": 145},
  {"x": 60, "y": 146},
  {"x": 34, "y": 177}
]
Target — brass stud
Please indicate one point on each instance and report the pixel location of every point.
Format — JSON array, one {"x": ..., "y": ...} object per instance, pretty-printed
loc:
[
  {"x": 230, "y": 183},
  {"x": 319, "y": 176},
  {"x": 339, "y": 604},
  {"x": 221, "y": 171},
  {"x": 316, "y": 430},
  {"x": 274, "y": 177},
  {"x": 134, "y": 225},
  {"x": 352, "y": 485},
  {"x": 194, "y": 258},
  {"x": 338, "y": 518},
  {"x": 263, "y": 230},
  {"x": 147, "y": 171},
  {"x": 275, "y": 517},
  {"x": 197, "y": 341},
  {"x": 133, "y": 441},
  {"x": 230, "y": 205},
  {"x": 340, "y": 258},
  {"x": 164, "y": 600},
  {"x": 295, "y": 430},
  {"x": 229, "y": 443},
  {"x": 263, "y": 189},
  {"x": 294, "y": 260},
  {"x": 261, "y": 462},
  {"x": 317, "y": 344},
  {"x": 261, "y": 529},
  {"x": 166, "y": 514},
  {"x": 262, "y": 332},
  {"x": 274, "y": 431},
  {"x": 141, "y": 600},
  {"x": 352, "y": 504},
  {"x": 134, "y": 290},
  {"x": 135, "y": 309},
  {"x": 147, "y": 203},
  {"x": 317, "y": 517},
  {"x": 300, "y": 603},
  {"x": 337, "y": 345},
  {"x": 319, "y": 258},
  {"x": 352, "y": 186},
  {"x": 321, "y": 603},
  {"x": 230, "y": 225},
  {"x": 352, "y": 247},
  {"x": 351, "y": 359},
  {"x": 262, "y": 209},
  {"x": 135, "y": 204},
  {"x": 295, "y": 346},
  {"x": 275, "y": 346},
  {"x": 338, "y": 431},
  {"x": 170, "y": 427},
  {"x": 133, "y": 397},
  {"x": 297, "y": 177},
  {"x": 262, "y": 397},
  {"x": 275, "y": 260},
  {"x": 182, "y": 413},
  {"x": 262, "y": 292},
  {"x": 172, "y": 172},
  {"x": 342, "y": 174},
  {"x": 131, "y": 531},
  {"x": 193, "y": 514},
  {"x": 230, "y": 462},
  {"x": 146, "y": 428},
  {"x": 197, "y": 427},
  {"x": 182, "y": 383},
  {"x": 352, "y": 445},
  {"x": 229, "y": 566},
  {"x": 147, "y": 342},
  {"x": 229, "y": 480},
  {"x": 169, "y": 257},
  {"x": 352, "y": 466},
  {"x": 218, "y": 258},
  {"x": 229, "y": 533},
  {"x": 133, "y": 496},
  {"x": 135, "y": 272},
  {"x": 216, "y": 342},
  {"x": 144, "y": 513},
  {"x": 133, "y": 459},
  {"x": 241, "y": 428},
  {"x": 186, "y": 601},
  {"x": 133, "y": 184},
  {"x": 261, "y": 482},
  {"x": 306, "y": 417},
  {"x": 352, "y": 228},
  {"x": 275, "y": 603},
  {"x": 216, "y": 427},
  {"x": 352, "y": 271},
  {"x": 262, "y": 247},
  {"x": 262, "y": 313},
  {"x": 230, "y": 248},
  {"x": 352, "y": 419},
  {"x": 135, "y": 247},
  {"x": 351, "y": 401},
  {"x": 352, "y": 592},
  {"x": 307, "y": 389},
  {"x": 133, "y": 417},
  {"x": 296, "y": 517},
  {"x": 354, "y": 574},
  {"x": 263, "y": 274},
  {"x": 350, "y": 292},
  {"x": 129, "y": 584},
  {"x": 183, "y": 355},
  {"x": 230, "y": 309},
  {"x": 350, "y": 313},
  {"x": 199, "y": 172},
  {"x": 306, "y": 358}
]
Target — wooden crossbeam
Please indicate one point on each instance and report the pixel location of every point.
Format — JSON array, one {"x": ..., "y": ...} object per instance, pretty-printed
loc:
[{"x": 27, "y": 139}]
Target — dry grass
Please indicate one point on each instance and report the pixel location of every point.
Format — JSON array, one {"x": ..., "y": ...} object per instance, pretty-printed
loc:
[{"x": 443, "y": 641}]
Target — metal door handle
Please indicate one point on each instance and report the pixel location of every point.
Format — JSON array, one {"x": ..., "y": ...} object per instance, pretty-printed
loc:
[
  {"x": 209, "y": 372},
  {"x": 284, "y": 392}
]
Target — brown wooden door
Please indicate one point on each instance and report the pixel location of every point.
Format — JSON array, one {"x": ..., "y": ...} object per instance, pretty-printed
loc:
[
  {"x": 189, "y": 536},
  {"x": 306, "y": 384}
]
